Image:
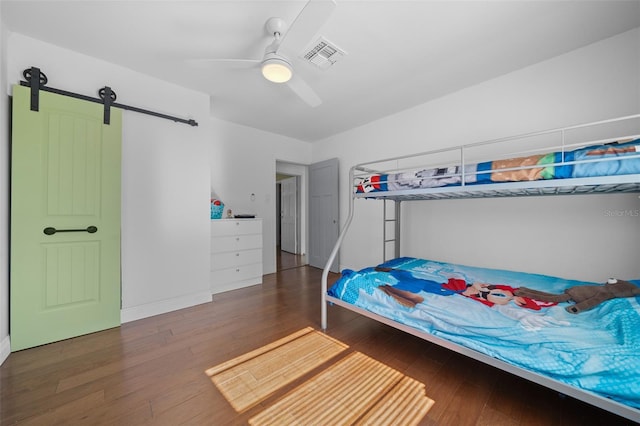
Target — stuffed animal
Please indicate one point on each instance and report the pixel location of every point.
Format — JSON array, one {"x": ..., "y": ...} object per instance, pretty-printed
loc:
[{"x": 585, "y": 296}]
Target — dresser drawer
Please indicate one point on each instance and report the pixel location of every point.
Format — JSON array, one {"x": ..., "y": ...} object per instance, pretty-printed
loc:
[
  {"x": 235, "y": 243},
  {"x": 230, "y": 259},
  {"x": 238, "y": 273},
  {"x": 236, "y": 254},
  {"x": 222, "y": 227}
]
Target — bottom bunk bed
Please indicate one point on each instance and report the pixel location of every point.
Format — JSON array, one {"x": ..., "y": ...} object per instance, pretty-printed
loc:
[{"x": 519, "y": 322}]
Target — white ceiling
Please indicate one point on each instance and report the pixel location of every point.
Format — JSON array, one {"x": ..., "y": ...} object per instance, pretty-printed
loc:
[{"x": 399, "y": 53}]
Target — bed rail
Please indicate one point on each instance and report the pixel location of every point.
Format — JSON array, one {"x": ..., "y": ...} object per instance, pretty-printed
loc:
[
  {"x": 332, "y": 256},
  {"x": 369, "y": 167}
]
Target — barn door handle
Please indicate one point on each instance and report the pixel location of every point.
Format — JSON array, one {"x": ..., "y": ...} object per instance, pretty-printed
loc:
[{"x": 51, "y": 231}]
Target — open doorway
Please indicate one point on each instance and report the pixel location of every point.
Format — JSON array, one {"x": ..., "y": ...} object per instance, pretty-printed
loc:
[{"x": 290, "y": 215}]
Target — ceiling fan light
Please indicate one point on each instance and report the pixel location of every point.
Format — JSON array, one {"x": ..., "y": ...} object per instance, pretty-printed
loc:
[{"x": 276, "y": 70}]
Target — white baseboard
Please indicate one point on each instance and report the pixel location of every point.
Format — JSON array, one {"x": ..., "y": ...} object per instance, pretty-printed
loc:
[
  {"x": 5, "y": 349},
  {"x": 163, "y": 306},
  {"x": 136, "y": 313}
]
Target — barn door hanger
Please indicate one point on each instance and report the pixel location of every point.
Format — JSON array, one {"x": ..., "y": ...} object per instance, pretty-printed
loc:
[
  {"x": 106, "y": 94},
  {"x": 35, "y": 84}
]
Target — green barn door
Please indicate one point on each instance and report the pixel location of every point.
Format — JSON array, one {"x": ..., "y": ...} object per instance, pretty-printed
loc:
[{"x": 65, "y": 174}]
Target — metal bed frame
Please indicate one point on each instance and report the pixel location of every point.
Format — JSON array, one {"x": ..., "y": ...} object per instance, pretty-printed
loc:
[{"x": 569, "y": 186}]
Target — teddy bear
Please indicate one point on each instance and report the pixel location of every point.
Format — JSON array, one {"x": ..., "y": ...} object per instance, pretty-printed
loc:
[{"x": 585, "y": 296}]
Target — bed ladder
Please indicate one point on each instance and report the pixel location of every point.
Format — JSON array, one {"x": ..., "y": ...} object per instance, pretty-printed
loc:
[{"x": 391, "y": 237}]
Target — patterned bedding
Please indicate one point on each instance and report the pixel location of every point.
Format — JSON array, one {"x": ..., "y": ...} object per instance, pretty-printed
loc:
[
  {"x": 599, "y": 160},
  {"x": 596, "y": 349}
]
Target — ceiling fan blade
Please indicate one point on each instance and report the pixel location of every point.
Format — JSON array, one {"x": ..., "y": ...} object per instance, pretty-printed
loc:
[
  {"x": 229, "y": 60},
  {"x": 304, "y": 91},
  {"x": 308, "y": 22}
]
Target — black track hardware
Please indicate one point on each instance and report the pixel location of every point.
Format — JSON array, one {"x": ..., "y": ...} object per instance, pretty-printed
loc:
[{"x": 106, "y": 95}]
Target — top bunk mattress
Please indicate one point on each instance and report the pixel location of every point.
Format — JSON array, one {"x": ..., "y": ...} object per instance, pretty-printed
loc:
[
  {"x": 620, "y": 158},
  {"x": 482, "y": 309}
]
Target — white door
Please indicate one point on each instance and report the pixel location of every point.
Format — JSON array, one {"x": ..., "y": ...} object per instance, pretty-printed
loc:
[
  {"x": 288, "y": 214},
  {"x": 323, "y": 213}
]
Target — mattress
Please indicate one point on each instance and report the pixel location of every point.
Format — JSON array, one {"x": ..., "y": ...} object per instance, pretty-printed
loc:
[
  {"x": 612, "y": 159},
  {"x": 596, "y": 349}
]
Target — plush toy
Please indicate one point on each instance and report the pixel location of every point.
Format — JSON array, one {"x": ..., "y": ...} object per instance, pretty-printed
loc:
[{"x": 585, "y": 296}]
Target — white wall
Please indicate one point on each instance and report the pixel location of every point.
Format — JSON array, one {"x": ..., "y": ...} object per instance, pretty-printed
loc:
[
  {"x": 243, "y": 162},
  {"x": 4, "y": 200},
  {"x": 573, "y": 236},
  {"x": 165, "y": 176}
]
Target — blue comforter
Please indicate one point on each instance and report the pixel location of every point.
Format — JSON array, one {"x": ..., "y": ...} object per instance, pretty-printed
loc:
[{"x": 596, "y": 350}]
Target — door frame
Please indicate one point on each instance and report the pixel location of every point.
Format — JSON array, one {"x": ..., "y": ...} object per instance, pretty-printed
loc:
[
  {"x": 301, "y": 172},
  {"x": 296, "y": 216}
]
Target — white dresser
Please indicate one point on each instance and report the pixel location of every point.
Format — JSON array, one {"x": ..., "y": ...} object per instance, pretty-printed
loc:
[{"x": 236, "y": 253}]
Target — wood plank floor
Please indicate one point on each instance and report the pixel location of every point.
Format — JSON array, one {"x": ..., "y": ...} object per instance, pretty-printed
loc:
[
  {"x": 285, "y": 260},
  {"x": 153, "y": 371}
]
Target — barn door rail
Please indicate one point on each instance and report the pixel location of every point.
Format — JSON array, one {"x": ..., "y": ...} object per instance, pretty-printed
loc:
[{"x": 37, "y": 80}]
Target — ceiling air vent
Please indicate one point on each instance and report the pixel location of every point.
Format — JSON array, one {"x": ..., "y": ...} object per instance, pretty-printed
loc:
[{"x": 323, "y": 53}]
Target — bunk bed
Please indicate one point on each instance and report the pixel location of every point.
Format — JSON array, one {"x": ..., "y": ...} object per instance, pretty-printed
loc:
[{"x": 581, "y": 339}]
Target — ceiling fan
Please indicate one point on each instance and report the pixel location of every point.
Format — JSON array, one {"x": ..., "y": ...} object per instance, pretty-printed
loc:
[{"x": 275, "y": 64}]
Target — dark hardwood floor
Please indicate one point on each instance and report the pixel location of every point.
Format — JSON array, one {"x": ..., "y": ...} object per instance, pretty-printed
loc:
[
  {"x": 285, "y": 260},
  {"x": 153, "y": 371}
]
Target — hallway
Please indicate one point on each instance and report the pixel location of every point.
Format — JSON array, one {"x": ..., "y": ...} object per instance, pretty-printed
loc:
[{"x": 286, "y": 260}]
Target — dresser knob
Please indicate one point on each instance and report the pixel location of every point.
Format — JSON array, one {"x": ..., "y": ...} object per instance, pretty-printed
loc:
[
  {"x": 237, "y": 254},
  {"x": 237, "y": 238},
  {"x": 237, "y": 270}
]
